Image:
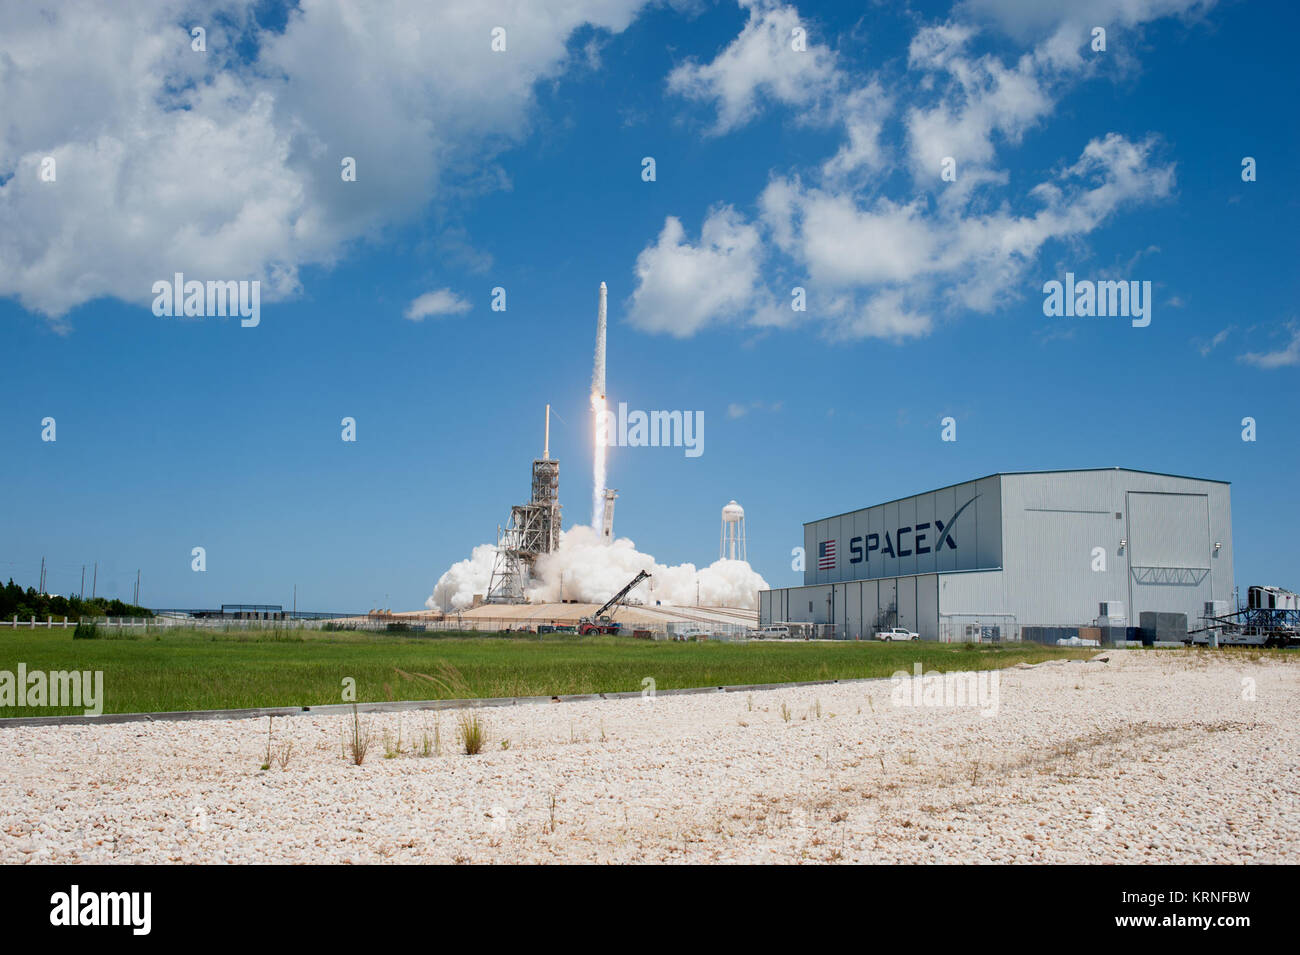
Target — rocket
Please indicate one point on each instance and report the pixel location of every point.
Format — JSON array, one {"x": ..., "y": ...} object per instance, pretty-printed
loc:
[{"x": 598, "y": 370}]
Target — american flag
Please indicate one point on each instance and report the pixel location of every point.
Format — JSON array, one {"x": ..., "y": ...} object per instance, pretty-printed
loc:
[{"x": 826, "y": 555}]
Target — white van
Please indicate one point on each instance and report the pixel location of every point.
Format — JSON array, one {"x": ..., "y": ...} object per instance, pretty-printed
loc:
[{"x": 771, "y": 633}]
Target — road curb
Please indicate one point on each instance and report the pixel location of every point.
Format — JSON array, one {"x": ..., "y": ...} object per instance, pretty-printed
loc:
[{"x": 399, "y": 706}]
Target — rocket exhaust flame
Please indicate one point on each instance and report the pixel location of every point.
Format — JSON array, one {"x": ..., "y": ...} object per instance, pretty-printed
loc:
[
  {"x": 597, "y": 418},
  {"x": 597, "y": 463}
]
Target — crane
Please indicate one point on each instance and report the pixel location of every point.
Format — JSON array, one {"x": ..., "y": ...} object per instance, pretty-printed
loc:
[{"x": 600, "y": 622}]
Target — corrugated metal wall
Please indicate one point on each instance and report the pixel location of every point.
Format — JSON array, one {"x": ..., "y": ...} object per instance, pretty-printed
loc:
[
  {"x": 859, "y": 608},
  {"x": 1056, "y": 537},
  {"x": 1060, "y": 527},
  {"x": 899, "y": 538}
]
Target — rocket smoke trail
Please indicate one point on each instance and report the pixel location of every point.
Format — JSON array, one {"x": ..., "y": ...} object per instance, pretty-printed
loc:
[
  {"x": 597, "y": 417},
  {"x": 598, "y": 369}
]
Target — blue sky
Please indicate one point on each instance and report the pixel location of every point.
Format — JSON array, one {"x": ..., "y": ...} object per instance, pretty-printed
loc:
[{"x": 522, "y": 169}]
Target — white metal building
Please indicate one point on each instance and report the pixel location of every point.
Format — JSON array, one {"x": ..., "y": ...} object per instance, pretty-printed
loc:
[{"x": 1014, "y": 550}]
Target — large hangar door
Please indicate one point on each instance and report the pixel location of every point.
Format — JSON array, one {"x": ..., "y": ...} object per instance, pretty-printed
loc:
[
  {"x": 1169, "y": 553},
  {"x": 853, "y": 610},
  {"x": 907, "y": 602},
  {"x": 1169, "y": 531}
]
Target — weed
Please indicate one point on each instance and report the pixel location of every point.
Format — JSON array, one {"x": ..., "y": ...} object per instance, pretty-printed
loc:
[
  {"x": 266, "y": 763},
  {"x": 283, "y": 753},
  {"x": 785, "y": 712},
  {"x": 472, "y": 731},
  {"x": 362, "y": 735}
]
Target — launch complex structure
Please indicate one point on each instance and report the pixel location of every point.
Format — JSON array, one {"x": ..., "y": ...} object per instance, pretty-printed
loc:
[{"x": 534, "y": 528}]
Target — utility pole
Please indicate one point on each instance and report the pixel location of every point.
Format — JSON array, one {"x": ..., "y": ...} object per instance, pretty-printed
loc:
[
  {"x": 137, "y": 587},
  {"x": 94, "y": 583},
  {"x": 81, "y": 592},
  {"x": 42, "y": 588},
  {"x": 295, "y": 601}
]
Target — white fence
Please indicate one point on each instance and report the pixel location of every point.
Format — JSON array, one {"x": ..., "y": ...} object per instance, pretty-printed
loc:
[
  {"x": 377, "y": 624},
  {"x": 63, "y": 622}
]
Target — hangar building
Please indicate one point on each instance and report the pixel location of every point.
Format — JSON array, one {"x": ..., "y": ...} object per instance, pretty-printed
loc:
[{"x": 995, "y": 555}]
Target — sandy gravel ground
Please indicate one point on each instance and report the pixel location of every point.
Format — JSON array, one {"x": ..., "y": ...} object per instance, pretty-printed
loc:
[{"x": 1152, "y": 757}]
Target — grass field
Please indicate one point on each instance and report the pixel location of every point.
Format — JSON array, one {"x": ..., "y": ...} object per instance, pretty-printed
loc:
[{"x": 198, "y": 670}]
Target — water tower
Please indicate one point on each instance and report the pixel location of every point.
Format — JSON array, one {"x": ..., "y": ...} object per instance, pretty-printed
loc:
[{"x": 733, "y": 532}]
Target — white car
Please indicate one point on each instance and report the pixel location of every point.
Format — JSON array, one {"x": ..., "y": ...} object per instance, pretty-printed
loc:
[{"x": 897, "y": 633}]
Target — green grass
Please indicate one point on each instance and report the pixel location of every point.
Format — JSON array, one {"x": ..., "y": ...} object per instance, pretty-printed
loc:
[{"x": 197, "y": 670}]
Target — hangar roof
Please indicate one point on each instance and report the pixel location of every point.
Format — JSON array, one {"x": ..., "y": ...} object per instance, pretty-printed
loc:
[{"x": 1185, "y": 477}]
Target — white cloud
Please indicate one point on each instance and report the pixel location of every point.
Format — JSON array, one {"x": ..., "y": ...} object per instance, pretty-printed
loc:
[
  {"x": 1025, "y": 19},
  {"x": 739, "y": 410},
  {"x": 977, "y": 260},
  {"x": 884, "y": 314},
  {"x": 681, "y": 286},
  {"x": 982, "y": 99},
  {"x": 1281, "y": 358},
  {"x": 882, "y": 265},
  {"x": 1205, "y": 347},
  {"x": 443, "y": 301},
  {"x": 761, "y": 62},
  {"x": 878, "y": 268},
  {"x": 863, "y": 113},
  {"x": 984, "y": 102},
  {"x": 173, "y": 160}
]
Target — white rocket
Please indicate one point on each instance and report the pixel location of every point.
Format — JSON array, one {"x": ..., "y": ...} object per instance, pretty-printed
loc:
[{"x": 598, "y": 370}]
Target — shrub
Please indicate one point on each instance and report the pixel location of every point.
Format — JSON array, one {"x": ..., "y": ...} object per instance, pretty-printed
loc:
[{"x": 85, "y": 631}]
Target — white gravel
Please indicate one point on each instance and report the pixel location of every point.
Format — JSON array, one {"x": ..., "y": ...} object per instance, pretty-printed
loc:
[{"x": 1152, "y": 757}]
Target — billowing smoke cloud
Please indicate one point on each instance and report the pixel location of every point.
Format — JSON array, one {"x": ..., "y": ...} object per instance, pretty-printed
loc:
[
  {"x": 456, "y": 588},
  {"x": 593, "y": 571}
]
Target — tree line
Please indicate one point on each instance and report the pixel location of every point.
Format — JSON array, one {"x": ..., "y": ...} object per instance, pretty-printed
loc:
[{"x": 28, "y": 603}]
